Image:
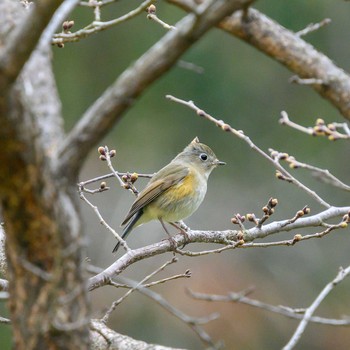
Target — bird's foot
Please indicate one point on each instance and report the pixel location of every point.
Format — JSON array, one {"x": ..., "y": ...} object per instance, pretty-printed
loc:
[{"x": 183, "y": 230}]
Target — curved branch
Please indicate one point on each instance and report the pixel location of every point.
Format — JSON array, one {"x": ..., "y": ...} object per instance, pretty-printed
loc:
[
  {"x": 104, "y": 338},
  {"x": 23, "y": 39},
  {"x": 343, "y": 273},
  {"x": 286, "y": 47},
  {"x": 108, "y": 109},
  {"x": 230, "y": 238}
]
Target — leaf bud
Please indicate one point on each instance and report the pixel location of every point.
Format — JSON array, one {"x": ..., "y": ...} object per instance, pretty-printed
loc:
[
  {"x": 306, "y": 210},
  {"x": 250, "y": 217},
  {"x": 273, "y": 202},
  {"x": 332, "y": 137},
  {"x": 134, "y": 177},
  {"x": 225, "y": 127},
  {"x": 234, "y": 220},
  {"x": 151, "y": 9},
  {"x": 101, "y": 150},
  {"x": 318, "y": 130},
  {"x": 279, "y": 175},
  {"x": 284, "y": 156},
  {"x": 297, "y": 237},
  {"x": 300, "y": 213},
  {"x": 274, "y": 154}
]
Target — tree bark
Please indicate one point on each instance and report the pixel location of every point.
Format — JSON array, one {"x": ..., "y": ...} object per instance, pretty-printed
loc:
[{"x": 48, "y": 298}]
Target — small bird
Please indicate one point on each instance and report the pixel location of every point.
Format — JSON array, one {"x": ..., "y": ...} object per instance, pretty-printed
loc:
[{"x": 175, "y": 191}]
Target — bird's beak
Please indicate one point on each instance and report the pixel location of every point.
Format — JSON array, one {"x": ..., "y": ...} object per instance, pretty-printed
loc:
[{"x": 219, "y": 162}]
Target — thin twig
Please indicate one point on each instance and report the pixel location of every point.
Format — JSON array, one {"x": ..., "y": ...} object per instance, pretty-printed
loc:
[
  {"x": 192, "y": 322},
  {"x": 4, "y": 285},
  {"x": 305, "y": 81},
  {"x": 320, "y": 128},
  {"x": 97, "y": 26},
  {"x": 190, "y": 66},
  {"x": 187, "y": 274},
  {"x": 241, "y": 297},
  {"x": 4, "y": 320},
  {"x": 321, "y": 174},
  {"x": 60, "y": 15},
  {"x": 107, "y": 176},
  {"x": 100, "y": 3},
  {"x": 226, "y": 127},
  {"x": 312, "y": 27},
  {"x": 284, "y": 120},
  {"x": 101, "y": 219},
  {"x": 99, "y": 118},
  {"x": 139, "y": 284},
  {"x": 342, "y": 274},
  {"x": 154, "y": 17}
]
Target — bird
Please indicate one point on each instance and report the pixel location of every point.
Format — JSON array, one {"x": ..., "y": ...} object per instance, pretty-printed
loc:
[{"x": 176, "y": 191}]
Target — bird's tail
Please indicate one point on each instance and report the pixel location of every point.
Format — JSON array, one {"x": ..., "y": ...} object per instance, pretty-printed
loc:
[{"x": 128, "y": 228}]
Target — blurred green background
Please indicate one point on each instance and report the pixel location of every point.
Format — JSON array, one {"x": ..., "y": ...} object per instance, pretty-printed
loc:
[{"x": 248, "y": 90}]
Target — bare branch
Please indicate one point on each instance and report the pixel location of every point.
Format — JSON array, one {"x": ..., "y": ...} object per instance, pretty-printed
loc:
[
  {"x": 290, "y": 50},
  {"x": 320, "y": 129},
  {"x": 97, "y": 25},
  {"x": 4, "y": 320},
  {"x": 186, "y": 274},
  {"x": 100, "y": 3},
  {"x": 134, "y": 287},
  {"x": 308, "y": 81},
  {"x": 4, "y": 285},
  {"x": 313, "y": 27},
  {"x": 285, "y": 175},
  {"x": 107, "y": 176},
  {"x": 23, "y": 39},
  {"x": 282, "y": 310},
  {"x": 320, "y": 174},
  {"x": 104, "y": 338},
  {"x": 192, "y": 322},
  {"x": 109, "y": 108},
  {"x": 343, "y": 273},
  {"x": 153, "y": 16},
  {"x": 231, "y": 238},
  {"x": 101, "y": 220},
  {"x": 60, "y": 15}
]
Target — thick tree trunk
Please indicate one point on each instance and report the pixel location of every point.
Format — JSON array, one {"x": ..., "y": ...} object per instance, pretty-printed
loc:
[{"x": 48, "y": 298}]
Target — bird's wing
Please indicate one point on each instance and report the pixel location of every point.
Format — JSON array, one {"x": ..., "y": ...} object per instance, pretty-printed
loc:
[{"x": 162, "y": 181}]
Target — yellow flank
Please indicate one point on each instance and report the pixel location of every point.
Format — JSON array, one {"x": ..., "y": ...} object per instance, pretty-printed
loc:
[
  {"x": 183, "y": 189},
  {"x": 178, "y": 202}
]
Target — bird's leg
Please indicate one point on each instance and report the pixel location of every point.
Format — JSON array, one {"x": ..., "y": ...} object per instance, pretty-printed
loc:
[
  {"x": 183, "y": 230},
  {"x": 171, "y": 239},
  {"x": 182, "y": 226}
]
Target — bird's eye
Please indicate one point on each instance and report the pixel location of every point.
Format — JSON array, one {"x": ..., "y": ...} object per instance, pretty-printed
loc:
[{"x": 203, "y": 156}]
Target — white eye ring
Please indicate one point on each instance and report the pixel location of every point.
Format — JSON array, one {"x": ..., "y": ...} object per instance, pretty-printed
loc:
[{"x": 203, "y": 156}]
